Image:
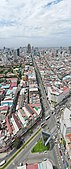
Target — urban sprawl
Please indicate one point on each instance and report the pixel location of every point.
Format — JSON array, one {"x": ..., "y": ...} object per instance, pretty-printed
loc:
[{"x": 35, "y": 103}]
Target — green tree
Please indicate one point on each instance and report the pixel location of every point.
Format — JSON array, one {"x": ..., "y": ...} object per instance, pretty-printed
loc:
[
  {"x": 31, "y": 131},
  {"x": 20, "y": 74},
  {"x": 64, "y": 143},
  {"x": 17, "y": 143}
]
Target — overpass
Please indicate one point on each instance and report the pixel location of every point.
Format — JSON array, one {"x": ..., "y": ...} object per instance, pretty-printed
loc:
[{"x": 48, "y": 135}]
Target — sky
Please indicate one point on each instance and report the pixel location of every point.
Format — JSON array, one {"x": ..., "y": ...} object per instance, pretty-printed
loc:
[{"x": 42, "y": 23}]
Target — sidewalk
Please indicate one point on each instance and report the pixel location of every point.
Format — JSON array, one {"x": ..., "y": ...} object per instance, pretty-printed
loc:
[{"x": 2, "y": 155}]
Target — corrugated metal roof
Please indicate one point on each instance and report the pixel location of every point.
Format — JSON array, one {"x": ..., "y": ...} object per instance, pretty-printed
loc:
[
  {"x": 32, "y": 166},
  {"x": 8, "y": 125}
]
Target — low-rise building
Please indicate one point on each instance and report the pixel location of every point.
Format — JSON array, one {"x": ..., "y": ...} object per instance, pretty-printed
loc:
[
  {"x": 66, "y": 128},
  {"x": 43, "y": 165},
  {"x": 57, "y": 94}
]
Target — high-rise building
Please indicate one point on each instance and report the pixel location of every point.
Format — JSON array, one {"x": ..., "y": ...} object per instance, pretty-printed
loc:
[
  {"x": 18, "y": 52},
  {"x": 29, "y": 48},
  {"x": 15, "y": 55},
  {"x": 70, "y": 49}
]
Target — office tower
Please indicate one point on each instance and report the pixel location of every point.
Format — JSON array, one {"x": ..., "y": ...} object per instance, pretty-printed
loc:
[
  {"x": 15, "y": 55},
  {"x": 18, "y": 52},
  {"x": 29, "y": 48},
  {"x": 70, "y": 49}
]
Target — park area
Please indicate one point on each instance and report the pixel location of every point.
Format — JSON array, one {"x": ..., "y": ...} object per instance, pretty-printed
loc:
[{"x": 40, "y": 147}]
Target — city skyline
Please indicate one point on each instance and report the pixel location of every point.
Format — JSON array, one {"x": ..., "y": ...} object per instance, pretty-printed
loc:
[{"x": 43, "y": 23}]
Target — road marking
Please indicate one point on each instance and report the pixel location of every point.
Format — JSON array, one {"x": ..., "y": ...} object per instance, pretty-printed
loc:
[{"x": 58, "y": 157}]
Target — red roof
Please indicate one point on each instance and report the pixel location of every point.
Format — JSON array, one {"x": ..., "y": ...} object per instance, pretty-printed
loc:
[
  {"x": 22, "y": 112},
  {"x": 8, "y": 99},
  {"x": 32, "y": 109},
  {"x": 0, "y": 133},
  {"x": 13, "y": 84},
  {"x": 4, "y": 107},
  {"x": 17, "y": 121},
  {"x": 2, "y": 75},
  {"x": 1, "y": 92},
  {"x": 37, "y": 105},
  {"x": 65, "y": 88},
  {"x": 68, "y": 135},
  {"x": 53, "y": 90},
  {"x": 8, "y": 125},
  {"x": 13, "y": 79},
  {"x": 32, "y": 166},
  {"x": 12, "y": 127}
]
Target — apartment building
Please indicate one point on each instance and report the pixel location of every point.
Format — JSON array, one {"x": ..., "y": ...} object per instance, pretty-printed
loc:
[{"x": 66, "y": 128}]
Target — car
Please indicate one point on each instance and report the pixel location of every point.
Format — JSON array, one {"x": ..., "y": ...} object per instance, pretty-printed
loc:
[
  {"x": 46, "y": 118},
  {"x": 2, "y": 162},
  {"x": 62, "y": 158},
  {"x": 42, "y": 124},
  {"x": 58, "y": 117},
  {"x": 56, "y": 140},
  {"x": 61, "y": 108},
  {"x": 61, "y": 152},
  {"x": 21, "y": 164},
  {"x": 57, "y": 121},
  {"x": 53, "y": 113},
  {"x": 45, "y": 159},
  {"x": 45, "y": 151},
  {"x": 58, "y": 145},
  {"x": 54, "y": 137},
  {"x": 58, "y": 126}
]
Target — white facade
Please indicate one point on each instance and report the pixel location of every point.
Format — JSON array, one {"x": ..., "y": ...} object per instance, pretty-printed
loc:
[
  {"x": 65, "y": 122},
  {"x": 21, "y": 118},
  {"x": 21, "y": 167},
  {"x": 26, "y": 112},
  {"x": 16, "y": 129},
  {"x": 43, "y": 165},
  {"x": 57, "y": 95}
]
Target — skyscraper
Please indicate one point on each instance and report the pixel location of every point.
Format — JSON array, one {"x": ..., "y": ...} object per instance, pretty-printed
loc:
[
  {"x": 70, "y": 49},
  {"x": 18, "y": 52},
  {"x": 29, "y": 48}
]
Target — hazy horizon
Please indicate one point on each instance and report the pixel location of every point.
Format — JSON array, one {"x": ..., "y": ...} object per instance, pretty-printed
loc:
[{"x": 42, "y": 23}]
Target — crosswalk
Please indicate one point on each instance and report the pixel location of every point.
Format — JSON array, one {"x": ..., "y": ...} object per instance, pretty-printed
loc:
[{"x": 58, "y": 157}]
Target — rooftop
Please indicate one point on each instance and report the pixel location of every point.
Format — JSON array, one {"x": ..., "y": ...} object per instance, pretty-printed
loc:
[
  {"x": 66, "y": 117},
  {"x": 42, "y": 165}
]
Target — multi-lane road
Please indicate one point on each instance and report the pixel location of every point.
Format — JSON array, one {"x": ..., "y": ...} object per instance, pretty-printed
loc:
[
  {"x": 54, "y": 155},
  {"x": 27, "y": 157}
]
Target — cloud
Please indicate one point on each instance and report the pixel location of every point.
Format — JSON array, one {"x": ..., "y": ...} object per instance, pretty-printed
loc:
[
  {"x": 34, "y": 19},
  {"x": 52, "y": 3}
]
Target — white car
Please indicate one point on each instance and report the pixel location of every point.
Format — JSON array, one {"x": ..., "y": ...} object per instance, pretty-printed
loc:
[
  {"x": 62, "y": 158},
  {"x": 21, "y": 164},
  {"x": 54, "y": 137},
  {"x": 2, "y": 162},
  {"x": 58, "y": 145},
  {"x": 58, "y": 126},
  {"x": 56, "y": 140},
  {"x": 58, "y": 117}
]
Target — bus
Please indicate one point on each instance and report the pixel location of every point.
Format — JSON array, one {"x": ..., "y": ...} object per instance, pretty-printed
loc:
[
  {"x": 42, "y": 124},
  {"x": 46, "y": 118}
]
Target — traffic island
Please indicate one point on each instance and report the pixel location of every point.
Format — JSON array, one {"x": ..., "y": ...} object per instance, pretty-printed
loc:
[{"x": 40, "y": 147}]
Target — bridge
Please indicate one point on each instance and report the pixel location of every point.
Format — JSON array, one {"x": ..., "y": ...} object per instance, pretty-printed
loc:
[{"x": 48, "y": 135}]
